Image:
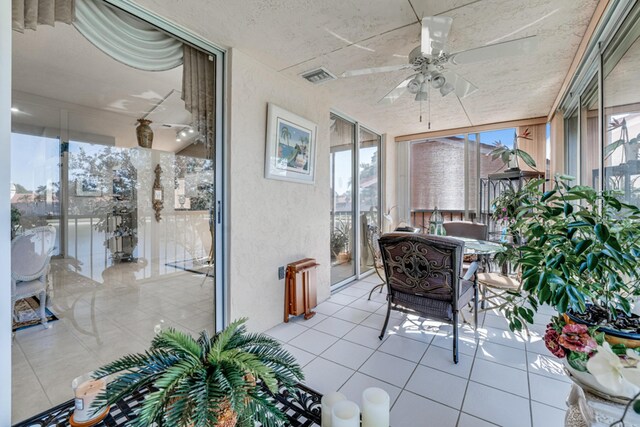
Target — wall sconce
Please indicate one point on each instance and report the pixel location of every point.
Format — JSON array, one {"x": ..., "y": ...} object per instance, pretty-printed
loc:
[{"x": 157, "y": 193}]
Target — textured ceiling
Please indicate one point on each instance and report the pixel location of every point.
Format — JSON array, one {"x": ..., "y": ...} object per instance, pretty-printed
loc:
[
  {"x": 293, "y": 36},
  {"x": 296, "y": 36},
  {"x": 103, "y": 96}
]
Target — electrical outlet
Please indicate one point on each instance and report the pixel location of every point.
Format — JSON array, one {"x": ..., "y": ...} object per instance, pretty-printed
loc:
[{"x": 281, "y": 272}]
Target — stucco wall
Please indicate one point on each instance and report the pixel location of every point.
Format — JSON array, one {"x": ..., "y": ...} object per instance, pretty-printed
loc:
[{"x": 271, "y": 223}]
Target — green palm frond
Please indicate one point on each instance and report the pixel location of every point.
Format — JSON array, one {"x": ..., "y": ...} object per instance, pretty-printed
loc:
[
  {"x": 178, "y": 342},
  {"x": 193, "y": 379}
]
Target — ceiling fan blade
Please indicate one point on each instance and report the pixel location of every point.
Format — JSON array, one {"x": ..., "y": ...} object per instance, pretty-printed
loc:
[
  {"x": 460, "y": 85},
  {"x": 495, "y": 51},
  {"x": 435, "y": 33},
  {"x": 397, "y": 92},
  {"x": 385, "y": 69}
]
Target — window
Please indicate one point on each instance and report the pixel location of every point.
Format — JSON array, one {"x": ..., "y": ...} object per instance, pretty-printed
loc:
[
  {"x": 622, "y": 111},
  {"x": 351, "y": 217},
  {"x": 446, "y": 173}
]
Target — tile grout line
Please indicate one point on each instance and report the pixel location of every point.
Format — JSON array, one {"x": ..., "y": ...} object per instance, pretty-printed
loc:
[{"x": 473, "y": 362}]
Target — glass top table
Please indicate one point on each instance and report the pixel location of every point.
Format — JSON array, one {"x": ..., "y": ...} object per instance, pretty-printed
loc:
[{"x": 480, "y": 247}]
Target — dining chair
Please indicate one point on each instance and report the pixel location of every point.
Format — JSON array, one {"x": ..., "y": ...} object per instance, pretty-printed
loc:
[
  {"x": 423, "y": 277},
  {"x": 494, "y": 286},
  {"x": 374, "y": 247},
  {"x": 30, "y": 257},
  {"x": 472, "y": 230}
]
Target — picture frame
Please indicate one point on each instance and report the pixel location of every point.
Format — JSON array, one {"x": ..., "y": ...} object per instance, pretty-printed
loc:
[
  {"x": 291, "y": 146},
  {"x": 88, "y": 187}
]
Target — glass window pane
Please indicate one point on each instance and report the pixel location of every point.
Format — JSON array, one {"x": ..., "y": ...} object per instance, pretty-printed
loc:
[
  {"x": 369, "y": 192},
  {"x": 622, "y": 112},
  {"x": 571, "y": 145},
  {"x": 589, "y": 153},
  {"x": 342, "y": 140}
]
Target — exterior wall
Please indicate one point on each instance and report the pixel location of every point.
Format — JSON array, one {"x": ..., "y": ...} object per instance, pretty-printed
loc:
[{"x": 271, "y": 223}]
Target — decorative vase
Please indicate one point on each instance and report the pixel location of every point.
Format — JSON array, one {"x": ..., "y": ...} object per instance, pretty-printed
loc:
[
  {"x": 144, "y": 133},
  {"x": 613, "y": 336},
  {"x": 513, "y": 164},
  {"x": 587, "y": 381}
]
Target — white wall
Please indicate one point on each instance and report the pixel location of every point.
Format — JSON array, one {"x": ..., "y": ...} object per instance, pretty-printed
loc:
[
  {"x": 271, "y": 223},
  {"x": 5, "y": 221}
]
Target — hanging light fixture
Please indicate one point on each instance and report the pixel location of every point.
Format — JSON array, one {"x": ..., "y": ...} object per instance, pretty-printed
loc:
[
  {"x": 446, "y": 89},
  {"x": 438, "y": 81},
  {"x": 422, "y": 94},
  {"x": 415, "y": 84}
]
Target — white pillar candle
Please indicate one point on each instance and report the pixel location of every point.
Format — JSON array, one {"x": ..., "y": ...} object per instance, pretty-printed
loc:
[
  {"x": 375, "y": 408},
  {"x": 86, "y": 393},
  {"x": 345, "y": 414},
  {"x": 328, "y": 400}
]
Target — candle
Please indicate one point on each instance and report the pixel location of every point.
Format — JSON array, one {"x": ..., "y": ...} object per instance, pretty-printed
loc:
[
  {"x": 86, "y": 393},
  {"x": 345, "y": 414},
  {"x": 375, "y": 408},
  {"x": 328, "y": 400}
]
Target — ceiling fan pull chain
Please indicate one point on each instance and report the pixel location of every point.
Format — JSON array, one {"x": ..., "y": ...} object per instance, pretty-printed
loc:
[
  {"x": 420, "y": 111},
  {"x": 429, "y": 108}
]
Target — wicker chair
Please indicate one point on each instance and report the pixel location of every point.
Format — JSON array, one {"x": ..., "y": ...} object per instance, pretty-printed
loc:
[{"x": 423, "y": 277}]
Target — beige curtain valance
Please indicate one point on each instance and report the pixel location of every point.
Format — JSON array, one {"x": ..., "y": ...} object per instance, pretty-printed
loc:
[{"x": 28, "y": 14}]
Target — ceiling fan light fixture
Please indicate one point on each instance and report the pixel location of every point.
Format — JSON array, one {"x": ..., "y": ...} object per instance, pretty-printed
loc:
[
  {"x": 421, "y": 96},
  {"x": 438, "y": 81},
  {"x": 424, "y": 87},
  {"x": 446, "y": 89},
  {"x": 414, "y": 85}
]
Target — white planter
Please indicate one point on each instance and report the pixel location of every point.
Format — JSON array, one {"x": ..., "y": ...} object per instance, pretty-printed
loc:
[{"x": 590, "y": 384}]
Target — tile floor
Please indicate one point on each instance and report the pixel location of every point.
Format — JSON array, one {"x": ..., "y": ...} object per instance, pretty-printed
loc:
[
  {"x": 501, "y": 379},
  {"x": 99, "y": 322}
]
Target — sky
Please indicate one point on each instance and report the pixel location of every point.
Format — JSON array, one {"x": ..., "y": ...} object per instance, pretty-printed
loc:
[{"x": 31, "y": 165}]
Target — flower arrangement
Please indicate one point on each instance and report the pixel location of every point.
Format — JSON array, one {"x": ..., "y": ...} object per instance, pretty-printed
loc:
[
  {"x": 615, "y": 368},
  {"x": 574, "y": 341}
]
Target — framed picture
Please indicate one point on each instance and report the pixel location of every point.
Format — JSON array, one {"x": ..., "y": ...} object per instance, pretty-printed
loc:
[
  {"x": 291, "y": 147},
  {"x": 157, "y": 195},
  {"x": 88, "y": 187}
]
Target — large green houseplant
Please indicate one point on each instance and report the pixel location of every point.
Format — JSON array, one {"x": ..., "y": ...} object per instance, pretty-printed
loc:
[
  {"x": 578, "y": 252},
  {"x": 225, "y": 380}
]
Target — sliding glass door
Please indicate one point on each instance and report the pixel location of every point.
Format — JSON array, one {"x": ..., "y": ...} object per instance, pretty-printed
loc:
[
  {"x": 342, "y": 201},
  {"x": 369, "y": 193},
  {"x": 355, "y": 198}
]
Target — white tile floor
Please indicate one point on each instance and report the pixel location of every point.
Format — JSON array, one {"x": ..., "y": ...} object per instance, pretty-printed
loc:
[
  {"x": 100, "y": 322},
  {"x": 501, "y": 379}
]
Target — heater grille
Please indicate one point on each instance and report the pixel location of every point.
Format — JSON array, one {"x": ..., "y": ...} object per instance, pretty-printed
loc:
[{"x": 318, "y": 75}]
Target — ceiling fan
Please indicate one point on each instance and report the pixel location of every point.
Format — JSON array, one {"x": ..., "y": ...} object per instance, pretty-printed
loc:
[{"x": 429, "y": 62}]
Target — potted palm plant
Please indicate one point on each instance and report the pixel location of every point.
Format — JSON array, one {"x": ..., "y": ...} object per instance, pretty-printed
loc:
[
  {"x": 510, "y": 156},
  {"x": 579, "y": 253},
  {"x": 225, "y": 380}
]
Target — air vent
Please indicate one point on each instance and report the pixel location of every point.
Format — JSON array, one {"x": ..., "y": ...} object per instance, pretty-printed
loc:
[{"x": 319, "y": 75}]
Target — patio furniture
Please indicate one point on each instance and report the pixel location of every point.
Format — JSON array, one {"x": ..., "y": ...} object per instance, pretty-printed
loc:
[
  {"x": 496, "y": 285},
  {"x": 301, "y": 407},
  {"x": 374, "y": 247},
  {"x": 423, "y": 277},
  {"x": 472, "y": 230},
  {"x": 30, "y": 256}
]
